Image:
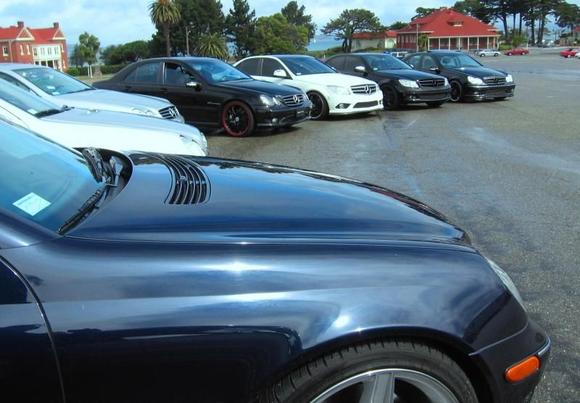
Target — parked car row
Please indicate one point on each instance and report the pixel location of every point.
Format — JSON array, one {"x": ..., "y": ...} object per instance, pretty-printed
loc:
[{"x": 570, "y": 52}]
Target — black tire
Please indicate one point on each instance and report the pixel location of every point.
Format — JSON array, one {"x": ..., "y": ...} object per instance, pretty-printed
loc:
[
  {"x": 308, "y": 382},
  {"x": 456, "y": 91},
  {"x": 319, "y": 106},
  {"x": 501, "y": 99},
  {"x": 391, "y": 98},
  {"x": 482, "y": 55},
  {"x": 237, "y": 119},
  {"x": 435, "y": 104}
]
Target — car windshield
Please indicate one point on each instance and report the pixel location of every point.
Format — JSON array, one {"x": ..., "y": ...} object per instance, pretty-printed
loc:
[
  {"x": 27, "y": 102},
  {"x": 385, "y": 62},
  {"x": 216, "y": 71},
  {"x": 41, "y": 181},
  {"x": 302, "y": 66},
  {"x": 456, "y": 61},
  {"x": 51, "y": 81}
]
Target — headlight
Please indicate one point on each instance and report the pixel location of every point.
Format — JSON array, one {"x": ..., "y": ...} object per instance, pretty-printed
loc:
[
  {"x": 475, "y": 80},
  {"x": 143, "y": 111},
  {"x": 198, "y": 139},
  {"x": 269, "y": 101},
  {"x": 338, "y": 89},
  {"x": 509, "y": 78},
  {"x": 409, "y": 83},
  {"x": 507, "y": 281}
]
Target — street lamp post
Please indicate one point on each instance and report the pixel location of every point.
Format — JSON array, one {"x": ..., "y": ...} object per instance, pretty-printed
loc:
[{"x": 187, "y": 31}]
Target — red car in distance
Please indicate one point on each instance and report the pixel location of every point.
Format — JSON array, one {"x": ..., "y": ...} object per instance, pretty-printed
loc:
[
  {"x": 517, "y": 52},
  {"x": 568, "y": 53}
]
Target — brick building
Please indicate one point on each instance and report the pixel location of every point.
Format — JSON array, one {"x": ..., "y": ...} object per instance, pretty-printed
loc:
[
  {"x": 380, "y": 40},
  {"x": 42, "y": 46},
  {"x": 448, "y": 29}
]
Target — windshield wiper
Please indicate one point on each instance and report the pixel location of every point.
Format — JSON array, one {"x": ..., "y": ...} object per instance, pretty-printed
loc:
[
  {"x": 87, "y": 208},
  {"x": 48, "y": 112},
  {"x": 96, "y": 163},
  {"x": 84, "y": 89}
]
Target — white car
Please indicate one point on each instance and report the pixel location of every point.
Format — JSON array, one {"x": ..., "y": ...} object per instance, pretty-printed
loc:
[
  {"x": 488, "y": 52},
  {"x": 64, "y": 90},
  {"x": 577, "y": 56},
  {"x": 77, "y": 128},
  {"x": 331, "y": 93}
]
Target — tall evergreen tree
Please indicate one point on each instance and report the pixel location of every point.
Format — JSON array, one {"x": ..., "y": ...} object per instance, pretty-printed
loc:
[
  {"x": 164, "y": 14},
  {"x": 241, "y": 28},
  {"x": 297, "y": 16}
]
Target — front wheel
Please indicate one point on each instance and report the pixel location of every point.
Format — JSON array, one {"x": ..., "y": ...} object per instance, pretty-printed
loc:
[
  {"x": 376, "y": 372},
  {"x": 319, "y": 106},
  {"x": 456, "y": 91},
  {"x": 391, "y": 98},
  {"x": 237, "y": 119}
]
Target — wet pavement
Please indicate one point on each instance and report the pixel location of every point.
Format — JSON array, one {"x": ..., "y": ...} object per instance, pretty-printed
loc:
[{"x": 508, "y": 172}]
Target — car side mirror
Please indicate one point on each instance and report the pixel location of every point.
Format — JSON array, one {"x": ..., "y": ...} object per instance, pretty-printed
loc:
[
  {"x": 360, "y": 69},
  {"x": 193, "y": 84},
  {"x": 435, "y": 70},
  {"x": 280, "y": 73}
]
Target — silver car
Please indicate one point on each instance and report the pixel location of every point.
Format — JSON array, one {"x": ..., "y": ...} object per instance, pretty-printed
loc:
[
  {"x": 64, "y": 90},
  {"x": 488, "y": 52},
  {"x": 80, "y": 128}
]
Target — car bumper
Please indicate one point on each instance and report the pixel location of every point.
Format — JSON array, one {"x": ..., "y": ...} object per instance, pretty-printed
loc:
[
  {"x": 268, "y": 118},
  {"x": 421, "y": 96},
  {"x": 349, "y": 104},
  {"x": 497, "y": 358},
  {"x": 481, "y": 93}
]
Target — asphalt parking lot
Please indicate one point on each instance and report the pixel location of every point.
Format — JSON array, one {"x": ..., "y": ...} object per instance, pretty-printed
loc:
[{"x": 508, "y": 172}]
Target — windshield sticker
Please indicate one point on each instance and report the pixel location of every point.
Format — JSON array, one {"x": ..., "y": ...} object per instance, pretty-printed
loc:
[{"x": 32, "y": 204}]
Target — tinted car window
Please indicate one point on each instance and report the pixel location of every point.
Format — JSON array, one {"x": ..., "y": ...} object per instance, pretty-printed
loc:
[
  {"x": 175, "y": 74},
  {"x": 216, "y": 71},
  {"x": 385, "y": 62},
  {"x": 458, "y": 60},
  {"x": 269, "y": 66},
  {"x": 250, "y": 66},
  {"x": 351, "y": 63},
  {"x": 337, "y": 62},
  {"x": 146, "y": 73},
  {"x": 414, "y": 60},
  {"x": 305, "y": 65},
  {"x": 428, "y": 62}
]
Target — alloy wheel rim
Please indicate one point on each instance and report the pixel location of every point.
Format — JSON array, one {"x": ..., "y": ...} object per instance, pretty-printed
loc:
[
  {"x": 389, "y": 385},
  {"x": 237, "y": 119},
  {"x": 455, "y": 92},
  {"x": 317, "y": 106}
]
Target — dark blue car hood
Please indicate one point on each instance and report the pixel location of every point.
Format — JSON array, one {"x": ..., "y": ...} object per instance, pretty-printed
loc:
[{"x": 257, "y": 201}]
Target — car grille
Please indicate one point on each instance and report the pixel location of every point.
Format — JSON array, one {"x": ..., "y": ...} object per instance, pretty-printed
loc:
[
  {"x": 366, "y": 104},
  {"x": 366, "y": 89},
  {"x": 432, "y": 82},
  {"x": 189, "y": 183},
  {"x": 494, "y": 80},
  {"x": 169, "y": 113},
  {"x": 293, "y": 100}
]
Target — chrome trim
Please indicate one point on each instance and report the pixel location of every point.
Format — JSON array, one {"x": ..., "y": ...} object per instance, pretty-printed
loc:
[{"x": 544, "y": 350}]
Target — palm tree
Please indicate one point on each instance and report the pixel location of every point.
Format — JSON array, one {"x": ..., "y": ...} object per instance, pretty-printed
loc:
[
  {"x": 165, "y": 13},
  {"x": 212, "y": 45}
]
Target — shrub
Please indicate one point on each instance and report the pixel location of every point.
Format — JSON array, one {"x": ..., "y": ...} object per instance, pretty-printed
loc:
[
  {"x": 112, "y": 69},
  {"x": 78, "y": 71}
]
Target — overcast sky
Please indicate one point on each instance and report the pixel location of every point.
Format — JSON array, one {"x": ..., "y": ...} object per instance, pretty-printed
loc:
[{"x": 119, "y": 21}]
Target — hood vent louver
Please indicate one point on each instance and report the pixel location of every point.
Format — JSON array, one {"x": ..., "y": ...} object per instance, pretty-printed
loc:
[{"x": 189, "y": 183}]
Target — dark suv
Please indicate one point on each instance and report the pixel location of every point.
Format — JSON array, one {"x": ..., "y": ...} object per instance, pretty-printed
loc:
[
  {"x": 469, "y": 79},
  {"x": 399, "y": 82}
]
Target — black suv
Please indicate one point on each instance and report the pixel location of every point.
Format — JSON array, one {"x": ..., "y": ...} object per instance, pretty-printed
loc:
[
  {"x": 399, "y": 82},
  {"x": 469, "y": 79}
]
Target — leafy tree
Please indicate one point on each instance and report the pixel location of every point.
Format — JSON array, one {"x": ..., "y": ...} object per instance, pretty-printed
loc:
[
  {"x": 474, "y": 8},
  {"x": 350, "y": 22},
  {"x": 275, "y": 35},
  {"x": 126, "y": 53},
  {"x": 200, "y": 17},
  {"x": 398, "y": 25},
  {"x": 164, "y": 14},
  {"x": 212, "y": 45},
  {"x": 77, "y": 58},
  {"x": 241, "y": 28},
  {"x": 567, "y": 15},
  {"x": 296, "y": 15},
  {"x": 422, "y": 12},
  {"x": 88, "y": 47}
]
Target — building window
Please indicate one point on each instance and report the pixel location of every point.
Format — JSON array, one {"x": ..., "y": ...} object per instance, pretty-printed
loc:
[
  {"x": 50, "y": 51},
  {"x": 42, "y": 51},
  {"x": 35, "y": 51},
  {"x": 28, "y": 49},
  {"x": 21, "y": 50},
  {"x": 5, "y": 50},
  {"x": 61, "y": 48}
]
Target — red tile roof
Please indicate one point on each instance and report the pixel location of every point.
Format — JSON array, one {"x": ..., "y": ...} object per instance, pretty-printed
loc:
[
  {"x": 375, "y": 35},
  {"x": 45, "y": 34},
  {"x": 447, "y": 22},
  {"x": 41, "y": 35},
  {"x": 9, "y": 33}
]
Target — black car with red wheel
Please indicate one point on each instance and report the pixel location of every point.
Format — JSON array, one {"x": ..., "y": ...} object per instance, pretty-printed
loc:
[{"x": 214, "y": 95}]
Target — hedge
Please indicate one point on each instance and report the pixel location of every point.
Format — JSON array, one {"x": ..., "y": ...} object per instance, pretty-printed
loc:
[
  {"x": 84, "y": 71},
  {"x": 112, "y": 69}
]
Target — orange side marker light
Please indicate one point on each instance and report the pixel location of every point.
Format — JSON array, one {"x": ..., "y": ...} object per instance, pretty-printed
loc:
[{"x": 522, "y": 369}]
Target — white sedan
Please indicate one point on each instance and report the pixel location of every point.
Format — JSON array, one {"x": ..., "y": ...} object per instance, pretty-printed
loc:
[
  {"x": 488, "y": 52},
  {"x": 331, "y": 93},
  {"x": 64, "y": 90},
  {"x": 78, "y": 128}
]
